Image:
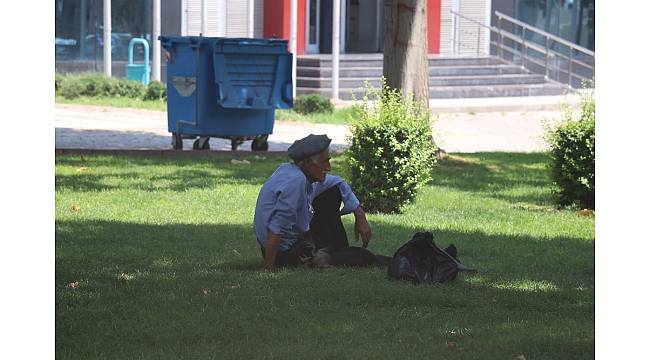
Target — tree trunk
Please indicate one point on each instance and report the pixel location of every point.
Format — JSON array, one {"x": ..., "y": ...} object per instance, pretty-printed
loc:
[{"x": 406, "y": 66}]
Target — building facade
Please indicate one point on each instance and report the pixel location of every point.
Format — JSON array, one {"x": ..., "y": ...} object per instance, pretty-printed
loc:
[
  {"x": 572, "y": 20},
  {"x": 79, "y": 25},
  {"x": 361, "y": 25}
]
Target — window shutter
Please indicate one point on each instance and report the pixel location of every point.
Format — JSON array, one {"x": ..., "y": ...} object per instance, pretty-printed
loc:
[
  {"x": 467, "y": 30},
  {"x": 194, "y": 18}
]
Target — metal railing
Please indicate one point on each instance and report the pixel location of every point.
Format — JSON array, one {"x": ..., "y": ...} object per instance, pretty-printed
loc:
[
  {"x": 556, "y": 58},
  {"x": 457, "y": 31}
]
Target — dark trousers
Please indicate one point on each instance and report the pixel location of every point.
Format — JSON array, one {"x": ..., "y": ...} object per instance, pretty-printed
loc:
[{"x": 327, "y": 236}]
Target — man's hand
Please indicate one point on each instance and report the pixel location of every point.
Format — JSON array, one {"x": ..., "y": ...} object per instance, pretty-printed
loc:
[
  {"x": 272, "y": 245},
  {"x": 361, "y": 227}
]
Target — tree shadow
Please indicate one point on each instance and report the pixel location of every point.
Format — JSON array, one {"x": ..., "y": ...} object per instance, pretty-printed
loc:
[
  {"x": 140, "y": 246},
  {"x": 525, "y": 286},
  {"x": 563, "y": 261},
  {"x": 185, "y": 172},
  {"x": 566, "y": 262}
]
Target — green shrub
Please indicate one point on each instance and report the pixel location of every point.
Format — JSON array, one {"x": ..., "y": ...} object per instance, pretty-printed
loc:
[
  {"x": 58, "y": 79},
  {"x": 312, "y": 103},
  {"x": 573, "y": 156},
  {"x": 155, "y": 91},
  {"x": 95, "y": 84},
  {"x": 70, "y": 89},
  {"x": 127, "y": 88},
  {"x": 392, "y": 154}
]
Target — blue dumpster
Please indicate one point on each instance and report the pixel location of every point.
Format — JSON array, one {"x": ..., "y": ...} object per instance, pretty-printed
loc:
[{"x": 226, "y": 88}]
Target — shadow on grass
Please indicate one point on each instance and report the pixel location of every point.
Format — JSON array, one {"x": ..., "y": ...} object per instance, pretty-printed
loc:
[
  {"x": 565, "y": 262},
  {"x": 173, "y": 289},
  {"x": 490, "y": 174},
  {"x": 179, "y": 173}
]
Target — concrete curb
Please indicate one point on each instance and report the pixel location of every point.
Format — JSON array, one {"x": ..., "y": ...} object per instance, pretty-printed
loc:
[
  {"x": 496, "y": 104},
  {"x": 170, "y": 152}
]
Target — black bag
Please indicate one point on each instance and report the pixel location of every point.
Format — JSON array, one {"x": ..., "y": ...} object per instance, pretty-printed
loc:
[{"x": 421, "y": 261}]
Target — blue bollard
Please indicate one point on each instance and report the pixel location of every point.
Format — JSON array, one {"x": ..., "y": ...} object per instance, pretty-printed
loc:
[{"x": 139, "y": 72}]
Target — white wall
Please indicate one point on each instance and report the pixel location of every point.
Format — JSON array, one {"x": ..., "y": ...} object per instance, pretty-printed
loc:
[
  {"x": 236, "y": 18},
  {"x": 467, "y": 31}
]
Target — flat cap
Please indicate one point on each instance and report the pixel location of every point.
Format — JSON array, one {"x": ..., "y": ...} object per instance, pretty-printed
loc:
[{"x": 308, "y": 146}]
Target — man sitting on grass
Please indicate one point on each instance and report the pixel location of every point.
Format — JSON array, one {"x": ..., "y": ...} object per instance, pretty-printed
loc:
[{"x": 298, "y": 212}]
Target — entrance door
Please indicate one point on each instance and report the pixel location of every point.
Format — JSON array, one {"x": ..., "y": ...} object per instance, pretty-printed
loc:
[
  {"x": 313, "y": 26},
  {"x": 364, "y": 26}
]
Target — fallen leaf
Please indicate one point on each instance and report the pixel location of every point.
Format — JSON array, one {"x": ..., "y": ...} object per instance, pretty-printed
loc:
[
  {"x": 125, "y": 276},
  {"x": 83, "y": 169},
  {"x": 520, "y": 357},
  {"x": 451, "y": 345},
  {"x": 236, "y": 286},
  {"x": 586, "y": 212},
  {"x": 206, "y": 292},
  {"x": 75, "y": 208},
  {"x": 73, "y": 285}
]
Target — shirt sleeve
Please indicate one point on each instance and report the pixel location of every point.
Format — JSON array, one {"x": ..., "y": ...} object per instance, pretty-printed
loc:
[
  {"x": 284, "y": 215},
  {"x": 350, "y": 201}
]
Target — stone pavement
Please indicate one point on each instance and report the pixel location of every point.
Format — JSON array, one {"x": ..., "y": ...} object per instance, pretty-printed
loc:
[{"x": 97, "y": 127}]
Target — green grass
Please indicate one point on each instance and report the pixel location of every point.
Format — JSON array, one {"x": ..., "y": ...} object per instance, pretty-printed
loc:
[
  {"x": 168, "y": 267},
  {"x": 340, "y": 116},
  {"x": 121, "y": 102}
]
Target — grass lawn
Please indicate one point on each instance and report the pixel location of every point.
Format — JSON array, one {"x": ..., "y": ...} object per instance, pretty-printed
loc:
[
  {"x": 340, "y": 116},
  {"x": 122, "y": 102},
  {"x": 156, "y": 259}
]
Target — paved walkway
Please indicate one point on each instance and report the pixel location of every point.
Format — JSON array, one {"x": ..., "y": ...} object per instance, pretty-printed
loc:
[{"x": 97, "y": 127}]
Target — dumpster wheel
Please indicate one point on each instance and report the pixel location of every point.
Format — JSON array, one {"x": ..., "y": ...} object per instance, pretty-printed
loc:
[
  {"x": 234, "y": 143},
  {"x": 202, "y": 143},
  {"x": 177, "y": 141},
  {"x": 260, "y": 143}
]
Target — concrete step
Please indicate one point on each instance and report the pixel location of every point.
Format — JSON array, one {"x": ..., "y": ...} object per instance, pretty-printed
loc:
[
  {"x": 377, "y": 72},
  {"x": 475, "y": 70},
  {"x": 378, "y": 61},
  {"x": 509, "y": 79},
  {"x": 321, "y": 72},
  {"x": 453, "y": 92}
]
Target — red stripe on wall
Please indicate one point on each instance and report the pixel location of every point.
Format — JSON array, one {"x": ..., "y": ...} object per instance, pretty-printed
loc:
[
  {"x": 302, "y": 23},
  {"x": 277, "y": 21},
  {"x": 433, "y": 26}
]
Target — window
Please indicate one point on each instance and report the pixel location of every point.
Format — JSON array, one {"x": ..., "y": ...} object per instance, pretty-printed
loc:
[{"x": 79, "y": 28}]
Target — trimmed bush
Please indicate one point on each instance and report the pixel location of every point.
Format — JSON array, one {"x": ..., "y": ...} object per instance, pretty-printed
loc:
[
  {"x": 155, "y": 91},
  {"x": 573, "y": 156},
  {"x": 58, "y": 79},
  {"x": 392, "y": 153},
  {"x": 127, "y": 88},
  {"x": 94, "y": 84},
  {"x": 70, "y": 89},
  {"x": 312, "y": 103}
]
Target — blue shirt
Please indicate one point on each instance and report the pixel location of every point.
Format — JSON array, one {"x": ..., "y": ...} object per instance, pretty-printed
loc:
[{"x": 284, "y": 205}]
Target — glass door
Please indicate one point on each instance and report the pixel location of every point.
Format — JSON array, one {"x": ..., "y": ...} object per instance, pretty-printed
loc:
[{"x": 313, "y": 26}]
